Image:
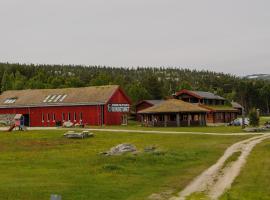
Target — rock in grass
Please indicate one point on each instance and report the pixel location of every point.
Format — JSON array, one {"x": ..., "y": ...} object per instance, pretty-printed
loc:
[
  {"x": 120, "y": 149},
  {"x": 82, "y": 135}
]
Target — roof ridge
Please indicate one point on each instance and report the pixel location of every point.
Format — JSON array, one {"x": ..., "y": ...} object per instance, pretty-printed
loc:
[{"x": 35, "y": 89}]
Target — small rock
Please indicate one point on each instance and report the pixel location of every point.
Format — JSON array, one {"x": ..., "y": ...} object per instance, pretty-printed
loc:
[{"x": 150, "y": 149}]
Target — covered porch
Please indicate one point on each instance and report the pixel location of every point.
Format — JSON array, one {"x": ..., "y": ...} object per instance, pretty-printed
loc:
[{"x": 178, "y": 119}]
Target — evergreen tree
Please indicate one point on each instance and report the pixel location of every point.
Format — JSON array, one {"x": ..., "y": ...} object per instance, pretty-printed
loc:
[
  {"x": 137, "y": 92},
  {"x": 6, "y": 83},
  {"x": 19, "y": 81}
]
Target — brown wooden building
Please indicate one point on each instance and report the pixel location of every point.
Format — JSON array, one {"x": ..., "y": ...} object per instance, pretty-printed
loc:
[
  {"x": 220, "y": 110},
  {"x": 145, "y": 104},
  {"x": 174, "y": 112}
]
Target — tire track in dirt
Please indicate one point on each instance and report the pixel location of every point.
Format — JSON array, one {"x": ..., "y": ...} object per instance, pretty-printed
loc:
[{"x": 216, "y": 179}]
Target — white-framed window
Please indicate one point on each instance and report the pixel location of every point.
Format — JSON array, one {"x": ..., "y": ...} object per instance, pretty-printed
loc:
[
  {"x": 75, "y": 116},
  {"x": 48, "y": 117},
  {"x": 42, "y": 117},
  {"x": 81, "y": 116},
  {"x": 53, "y": 117},
  {"x": 68, "y": 116},
  {"x": 63, "y": 116}
]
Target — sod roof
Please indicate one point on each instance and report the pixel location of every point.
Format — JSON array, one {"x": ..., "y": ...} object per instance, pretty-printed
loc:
[
  {"x": 219, "y": 108},
  {"x": 174, "y": 106},
  {"x": 34, "y": 97}
]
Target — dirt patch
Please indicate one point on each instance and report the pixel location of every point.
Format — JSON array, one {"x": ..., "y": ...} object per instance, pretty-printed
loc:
[{"x": 161, "y": 196}]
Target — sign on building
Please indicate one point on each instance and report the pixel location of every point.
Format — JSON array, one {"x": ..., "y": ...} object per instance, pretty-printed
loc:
[{"x": 118, "y": 107}]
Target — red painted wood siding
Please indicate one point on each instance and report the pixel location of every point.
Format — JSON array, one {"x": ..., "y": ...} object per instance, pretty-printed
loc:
[
  {"x": 115, "y": 118},
  {"x": 89, "y": 114}
]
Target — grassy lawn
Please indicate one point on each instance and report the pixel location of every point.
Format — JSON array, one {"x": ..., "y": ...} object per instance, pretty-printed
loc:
[
  {"x": 254, "y": 180},
  {"x": 264, "y": 119},
  {"x": 35, "y": 164},
  {"x": 137, "y": 126}
]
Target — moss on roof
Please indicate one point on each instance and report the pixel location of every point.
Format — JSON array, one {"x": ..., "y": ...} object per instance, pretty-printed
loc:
[{"x": 219, "y": 108}]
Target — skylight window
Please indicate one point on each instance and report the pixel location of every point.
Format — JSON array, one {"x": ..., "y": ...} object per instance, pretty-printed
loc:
[
  {"x": 63, "y": 97},
  {"x": 46, "y": 99},
  {"x": 54, "y": 98},
  {"x": 10, "y": 100},
  {"x": 57, "y": 98}
]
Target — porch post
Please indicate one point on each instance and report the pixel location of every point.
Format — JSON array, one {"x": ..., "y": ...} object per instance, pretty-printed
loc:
[
  {"x": 189, "y": 118},
  {"x": 165, "y": 120},
  {"x": 178, "y": 119},
  {"x": 153, "y": 120},
  {"x": 200, "y": 119}
]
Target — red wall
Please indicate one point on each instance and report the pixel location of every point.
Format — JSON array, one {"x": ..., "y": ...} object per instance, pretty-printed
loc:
[
  {"x": 115, "y": 118},
  {"x": 91, "y": 113}
]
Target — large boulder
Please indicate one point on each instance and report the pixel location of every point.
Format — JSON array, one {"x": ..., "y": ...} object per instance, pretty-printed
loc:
[{"x": 120, "y": 149}]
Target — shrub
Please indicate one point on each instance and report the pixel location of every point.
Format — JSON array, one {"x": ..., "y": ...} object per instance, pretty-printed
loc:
[
  {"x": 112, "y": 167},
  {"x": 254, "y": 118}
]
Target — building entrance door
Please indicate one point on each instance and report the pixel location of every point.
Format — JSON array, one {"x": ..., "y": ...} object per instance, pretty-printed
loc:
[
  {"x": 26, "y": 120},
  {"x": 124, "y": 119}
]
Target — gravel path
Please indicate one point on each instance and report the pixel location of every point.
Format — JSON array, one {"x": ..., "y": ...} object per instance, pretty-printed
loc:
[
  {"x": 218, "y": 178},
  {"x": 170, "y": 132},
  {"x": 134, "y": 131}
]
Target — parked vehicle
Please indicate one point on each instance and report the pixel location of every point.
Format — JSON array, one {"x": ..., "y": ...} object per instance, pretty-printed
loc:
[
  {"x": 267, "y": 124},
  {"x": 239, "y": 122}
]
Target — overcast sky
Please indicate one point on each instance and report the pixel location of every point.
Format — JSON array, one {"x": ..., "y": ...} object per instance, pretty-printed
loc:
[{"x": 222, "y": 35}]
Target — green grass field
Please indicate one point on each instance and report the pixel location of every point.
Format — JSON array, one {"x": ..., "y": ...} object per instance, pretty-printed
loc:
[
  {"x": 35, "y": 164},
  {"x": 254, "y": 180},
  {"x": 264, "y": 119},
  {"x": 209, "y": 129}
]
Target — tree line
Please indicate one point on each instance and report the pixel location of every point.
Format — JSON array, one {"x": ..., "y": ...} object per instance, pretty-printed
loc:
[{"x": 139, "y": 83}]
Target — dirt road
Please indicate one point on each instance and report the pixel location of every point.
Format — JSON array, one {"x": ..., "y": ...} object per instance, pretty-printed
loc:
[{"x": 215, "y": 180}]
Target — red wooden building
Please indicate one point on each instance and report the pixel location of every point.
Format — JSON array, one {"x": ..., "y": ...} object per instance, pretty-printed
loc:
[{"x": 98, "y": 105}]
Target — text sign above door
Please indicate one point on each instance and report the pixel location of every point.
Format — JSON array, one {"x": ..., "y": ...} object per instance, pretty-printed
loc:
[{"x": 118, "y": 107}]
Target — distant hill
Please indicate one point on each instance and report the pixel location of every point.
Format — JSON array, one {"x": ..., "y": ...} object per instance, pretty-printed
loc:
[{"x": 259, "y": 76}]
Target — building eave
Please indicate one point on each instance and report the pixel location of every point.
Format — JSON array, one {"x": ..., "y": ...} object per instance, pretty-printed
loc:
[{"x": 53, "y": 105}]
